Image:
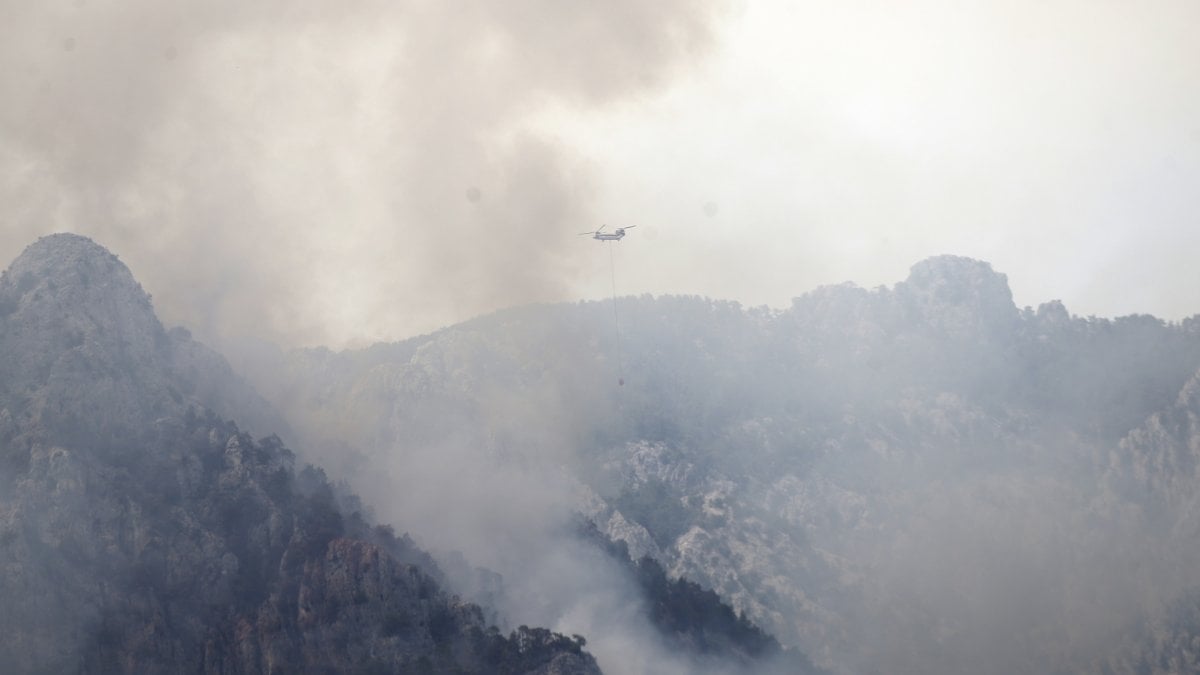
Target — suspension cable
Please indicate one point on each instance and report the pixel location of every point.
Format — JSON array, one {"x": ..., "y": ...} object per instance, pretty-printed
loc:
[{"x": 612, "y": 269}]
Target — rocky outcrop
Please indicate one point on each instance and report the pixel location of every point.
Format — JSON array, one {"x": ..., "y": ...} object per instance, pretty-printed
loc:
[
  {"x": 959, "y": 297},
  {"x": 87, "y": 360}
]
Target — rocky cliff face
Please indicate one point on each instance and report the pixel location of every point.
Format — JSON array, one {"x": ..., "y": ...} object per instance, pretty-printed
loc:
[
  {"x": 141, "y": 532},
  {"x": 959, "y": 297}
]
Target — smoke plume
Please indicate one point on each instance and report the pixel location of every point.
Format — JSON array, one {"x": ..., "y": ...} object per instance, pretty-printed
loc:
[{"x": 321, "y": 172}]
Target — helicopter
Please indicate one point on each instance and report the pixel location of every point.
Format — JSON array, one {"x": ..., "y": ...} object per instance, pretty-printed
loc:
[{"x": 614, "y": 236}]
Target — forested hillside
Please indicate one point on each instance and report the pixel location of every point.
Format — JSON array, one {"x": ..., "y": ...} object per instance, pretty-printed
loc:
[
  {"x": 141, "y": 532},
  {"x": 921, "y": 478}
]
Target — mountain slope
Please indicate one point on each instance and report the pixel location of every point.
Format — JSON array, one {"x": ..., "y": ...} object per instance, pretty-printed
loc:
[
  {"x": 143, "y": 533},
  {"x": 922, "y": 478}
]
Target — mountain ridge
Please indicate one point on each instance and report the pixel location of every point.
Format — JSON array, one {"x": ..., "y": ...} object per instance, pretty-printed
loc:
[
  {"x": 921, "y": 478},
  {"x": 786, "y": 459}
]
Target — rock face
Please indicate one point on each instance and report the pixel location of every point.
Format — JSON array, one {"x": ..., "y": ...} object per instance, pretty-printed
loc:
[
  {"x": 922, "y": 478},
  {"x": 960, "y": 297},
  {"x": 141, "y": 532},
  {"x": 85, "y": 354}
]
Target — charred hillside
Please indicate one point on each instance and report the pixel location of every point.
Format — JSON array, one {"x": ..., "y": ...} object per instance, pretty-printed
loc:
[{"x": 141, "y": 531}]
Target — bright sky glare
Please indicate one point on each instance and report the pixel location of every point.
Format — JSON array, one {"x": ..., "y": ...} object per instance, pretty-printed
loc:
[{"x": 1059, "y": 141}]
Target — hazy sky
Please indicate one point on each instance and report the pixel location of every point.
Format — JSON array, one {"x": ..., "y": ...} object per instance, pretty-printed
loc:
[{"x": 342, "y": 172}]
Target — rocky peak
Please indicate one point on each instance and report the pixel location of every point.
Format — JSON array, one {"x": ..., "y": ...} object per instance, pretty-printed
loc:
[
  {"x": 70, "y": 275},
  {"x": 960, "y": 296},
  {"x": 87, "y": 359},
  {"x": 67, "y": 293},
  {"x": 84, "y": 349}
]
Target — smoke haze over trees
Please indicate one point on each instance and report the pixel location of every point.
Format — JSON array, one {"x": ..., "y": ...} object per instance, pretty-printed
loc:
[
  {"x": 139, "y": 532},
  {"x": 920, "y": 478},
  {"x": 923, "y": 478},
  {"x": 371, "y": 208}
]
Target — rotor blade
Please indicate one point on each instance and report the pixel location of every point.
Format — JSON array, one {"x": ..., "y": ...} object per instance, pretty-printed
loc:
[
  {"x": 583, "y": 233},
  {"x": 629, "y": 227},
  {"x": 601, "y": 228}
]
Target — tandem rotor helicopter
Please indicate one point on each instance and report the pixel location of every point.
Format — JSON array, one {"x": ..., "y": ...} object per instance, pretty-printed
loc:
[{"x": 615, "y": 235}]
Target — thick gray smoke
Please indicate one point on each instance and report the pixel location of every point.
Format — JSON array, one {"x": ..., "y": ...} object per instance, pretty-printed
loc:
[{"x": 292, "y": 170}]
